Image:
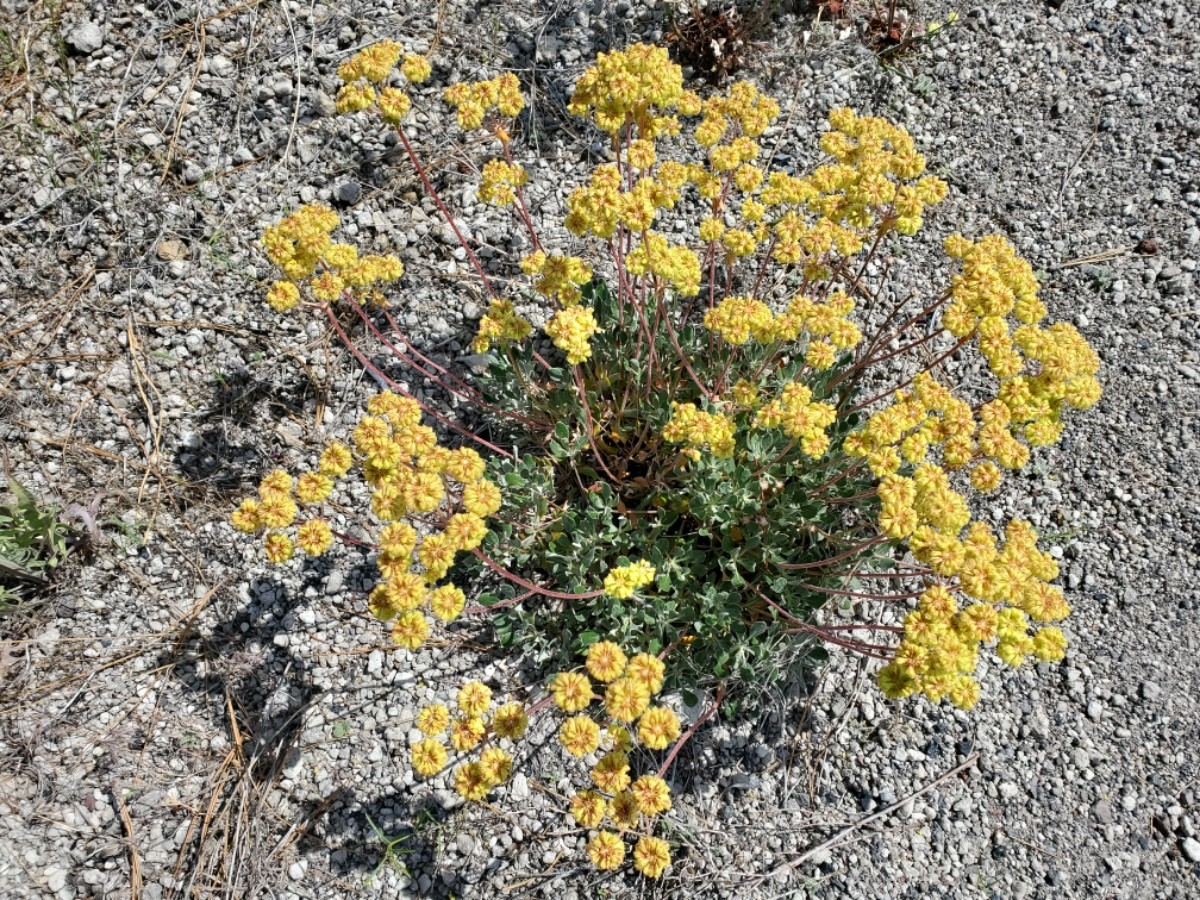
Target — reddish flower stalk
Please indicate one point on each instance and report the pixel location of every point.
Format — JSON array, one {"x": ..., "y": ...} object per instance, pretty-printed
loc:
[
  {"x": 587, "y": 415},
  {"x": 429, "y": 189},
  {"x": 480, "y": 610},
  {"x": 957, "y": 344},
  {"x": 863, "y": 595},
  {"x": 522, "y": 207},
  {"x": 875, "y": 651},
  {"x": 822, "y": 563},
  {"x": 394, "y": 386},
  {"x": 529, "y": 585},
  {"x": 469, "y": 394},
  {"x": 897, "y": 629},
  {"x": 687, "y": 736}
]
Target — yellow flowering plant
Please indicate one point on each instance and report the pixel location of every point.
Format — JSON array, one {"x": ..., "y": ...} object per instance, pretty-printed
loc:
[{"x": 721, "y": 422}]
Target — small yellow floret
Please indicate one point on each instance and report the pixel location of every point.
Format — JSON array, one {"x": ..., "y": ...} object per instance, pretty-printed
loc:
[
  {"x": 606, "y": 851},
  {"x": 651, "y": 856}
]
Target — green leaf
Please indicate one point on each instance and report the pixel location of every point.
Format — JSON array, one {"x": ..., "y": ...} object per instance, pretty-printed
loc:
[{"x": 25, "y": 499}]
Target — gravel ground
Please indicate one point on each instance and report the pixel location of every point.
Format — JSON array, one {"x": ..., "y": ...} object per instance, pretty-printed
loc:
[{"x": 181, "y": 720}]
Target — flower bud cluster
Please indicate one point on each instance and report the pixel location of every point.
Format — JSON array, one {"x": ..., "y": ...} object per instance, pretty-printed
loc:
[
  {"x": 501, "y": 325},
  {"x": 473, "y": 100},
  {"x": 301, "y": 243},
  {"x": 699, "y": 429}
]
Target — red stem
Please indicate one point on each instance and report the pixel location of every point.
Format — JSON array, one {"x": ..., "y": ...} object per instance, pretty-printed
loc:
[
  {"x": 392, "y": 385},
  {"x": 429, "y": 188},
  {"x": 819, "y": 564},
  {"x": 662, "y": 770},
  {"x": 529, "y": 585}
]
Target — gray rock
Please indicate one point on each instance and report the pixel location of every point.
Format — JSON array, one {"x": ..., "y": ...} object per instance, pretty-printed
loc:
[
  {"x": 324, "y": 105},
  {"x": 518, "y": 787},
  {"x": 375, "y": 662},
  {"x": 348, "y": 192},
  {"x": 86, "y": 38},
  {"x": 56, "y": 877},
  {"x": 192, "y": 173},
  {"x": 1102, "y": 810},
  {"x": 1191, "y": 849}
]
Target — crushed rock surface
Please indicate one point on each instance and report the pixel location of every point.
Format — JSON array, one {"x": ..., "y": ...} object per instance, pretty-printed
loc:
[{"x": 183, "y": 717}]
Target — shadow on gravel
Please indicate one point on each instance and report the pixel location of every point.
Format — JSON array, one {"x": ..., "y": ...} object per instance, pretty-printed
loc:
[
  {"x": 389, "y": 830},
  {"x": 221, "y": 450}
]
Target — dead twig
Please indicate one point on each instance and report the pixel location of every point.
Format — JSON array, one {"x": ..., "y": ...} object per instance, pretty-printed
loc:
[
  {"x": 1102, "y": 256},
  {"x": 135, "y": 864}
]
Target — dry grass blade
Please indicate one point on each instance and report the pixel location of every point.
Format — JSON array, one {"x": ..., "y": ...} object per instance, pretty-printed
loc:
[{"x": 135, "y": 864}]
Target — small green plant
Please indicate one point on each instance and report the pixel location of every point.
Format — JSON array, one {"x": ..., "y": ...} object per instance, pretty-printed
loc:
[
  {"x": 392, "y": 850},
  {"x": 34, "y": 541}
]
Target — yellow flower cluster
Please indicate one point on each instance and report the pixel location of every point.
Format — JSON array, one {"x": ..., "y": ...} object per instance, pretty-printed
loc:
[
  {"x": 301, "y": 243},
  {"x": 499, "y": 182},
  {"x": 374, "y": 63},
  {"x": 373, "y": 66},
  {"x": 796, "y": 413},
  {"x": 868, "y": 150},
  {"x": 595, "y": 208},
  {"x": 651, "y": 855},
  {"x": 474, "y": 100},
  {"x": 275, "y": 508},
  {"x": 737, "y": 319},
  {"x": 631, "y": 684},
  {"x": 297, "y": 243},
  {"x": 635, "y": 85},
  {"x": 557, "y": 277},
  {"x": 410, "y": 473},
  {"x": 501, "y": 325},
  {"x": 571, "y": 330},
  {"x": 623, "y": 582},
  {"x": 697, "y": 429},
  {"x": 940, "y": 648},
  {"x": 676, "y": 265},
  {"x": 469, "y": 730},
  {"x": 915, "y": 423},
  {"x": 743, "y": 112},
  {"x": 874, "y": 180},
  {"x": 996, "y": 283}
]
